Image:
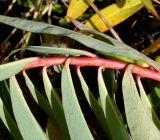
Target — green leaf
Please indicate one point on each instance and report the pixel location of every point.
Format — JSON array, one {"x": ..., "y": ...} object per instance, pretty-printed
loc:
[
  {"x": 113, "y": 118},
  {"x": 9, "y": 69},
  {"x": 110, "y": 82},
  {"x": 12, "y": 53},
  {"x": 77, "y": 125},
  {"x": 4, "y": 95},
  {"x": 26, "y": 122},
  {"x": 52, "y": 132},
  {"x": 103, "y": 47},
  {"x": 147, "y": 105},
  {"x": 154, "y": 97},
  {"x": 109, "y": 40},
  {"x": 9, "y": 122},
  {"x": 105, "y": 38},
  {"x": 40, "y": 100},
  {"x": 54, "y": 50},
  {"x": 58, "y": 68},
  {"x": 93, "y": 103},
  {"x": 103, "y": 92},
  {"x": 140, "y": 125},
  {"x": 4, "y": 132},
  {"x": 55, "y": 104}
]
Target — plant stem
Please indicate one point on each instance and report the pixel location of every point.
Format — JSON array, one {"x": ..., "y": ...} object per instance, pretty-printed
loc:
[{"x": 97, "y": 62}]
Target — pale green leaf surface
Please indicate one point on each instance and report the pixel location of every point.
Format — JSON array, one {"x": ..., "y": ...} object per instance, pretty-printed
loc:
[
  {"x": 113, "y": 118},
  {"x": 77, "y": 125},
  {"x": 147, "y": 105},
  {"x": 55, "y": 104},
  {"x": 9, "y": 69},
  {"x": 105, "y": 48},
  {"x": 144, "y": 98},
  {"x": 93, "y": 103},
  {"x": 9, "y": 122},
  {"x": 140, "y": 125},
  {"x": 102, "y": 92},
  {"x": 54, "y": 50},
  {"x": 26, "y": 122},
  {"x": 40, "y": 100}
]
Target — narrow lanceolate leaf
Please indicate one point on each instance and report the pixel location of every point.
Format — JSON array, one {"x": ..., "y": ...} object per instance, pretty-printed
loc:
[
  {"x": 114, "y": 14},
  {"x": 116, "y": 43},
  {"x": 113, "y": 118},
  {"x": 77, "y": 8},
  {"x": 147, "y": 105},
  {"x": 110, "y": 81},
  {"x": 77, "y": 125},
  {"x": 55, "y": 104},
  {"x": 9, "y": 69},
  {"x": 26, "y": 122},
  {"x": 148, "y": 4},
  {"x": 93, "y": 103},
  {"x": 9, "y": 122},
  {"x": 40, "y": 100},
  {"x": 4, "y": 95},
  {"x": 102, "y": 91},
  {"x": 102, "y": 47},
  {"x": 140, "y": 124},
  {"x": 61, "y": 51},
  {"x": 154, "y": 97}
]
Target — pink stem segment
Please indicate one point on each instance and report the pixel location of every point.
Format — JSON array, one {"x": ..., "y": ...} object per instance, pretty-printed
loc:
[{"x": 95, "y": 61}]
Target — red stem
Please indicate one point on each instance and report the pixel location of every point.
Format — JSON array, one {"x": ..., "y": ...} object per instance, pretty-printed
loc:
[{"x": 95, "y": 61}]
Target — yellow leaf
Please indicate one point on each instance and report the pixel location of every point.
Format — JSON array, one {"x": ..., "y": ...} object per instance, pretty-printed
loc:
[
  {"x": 148, "y": 4},
  {"x": 114, "y": 14},
  {"x": 77, "y": 8},
  {"x": 157, "y": 59},
  {"x": 152, "y": 48}
]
